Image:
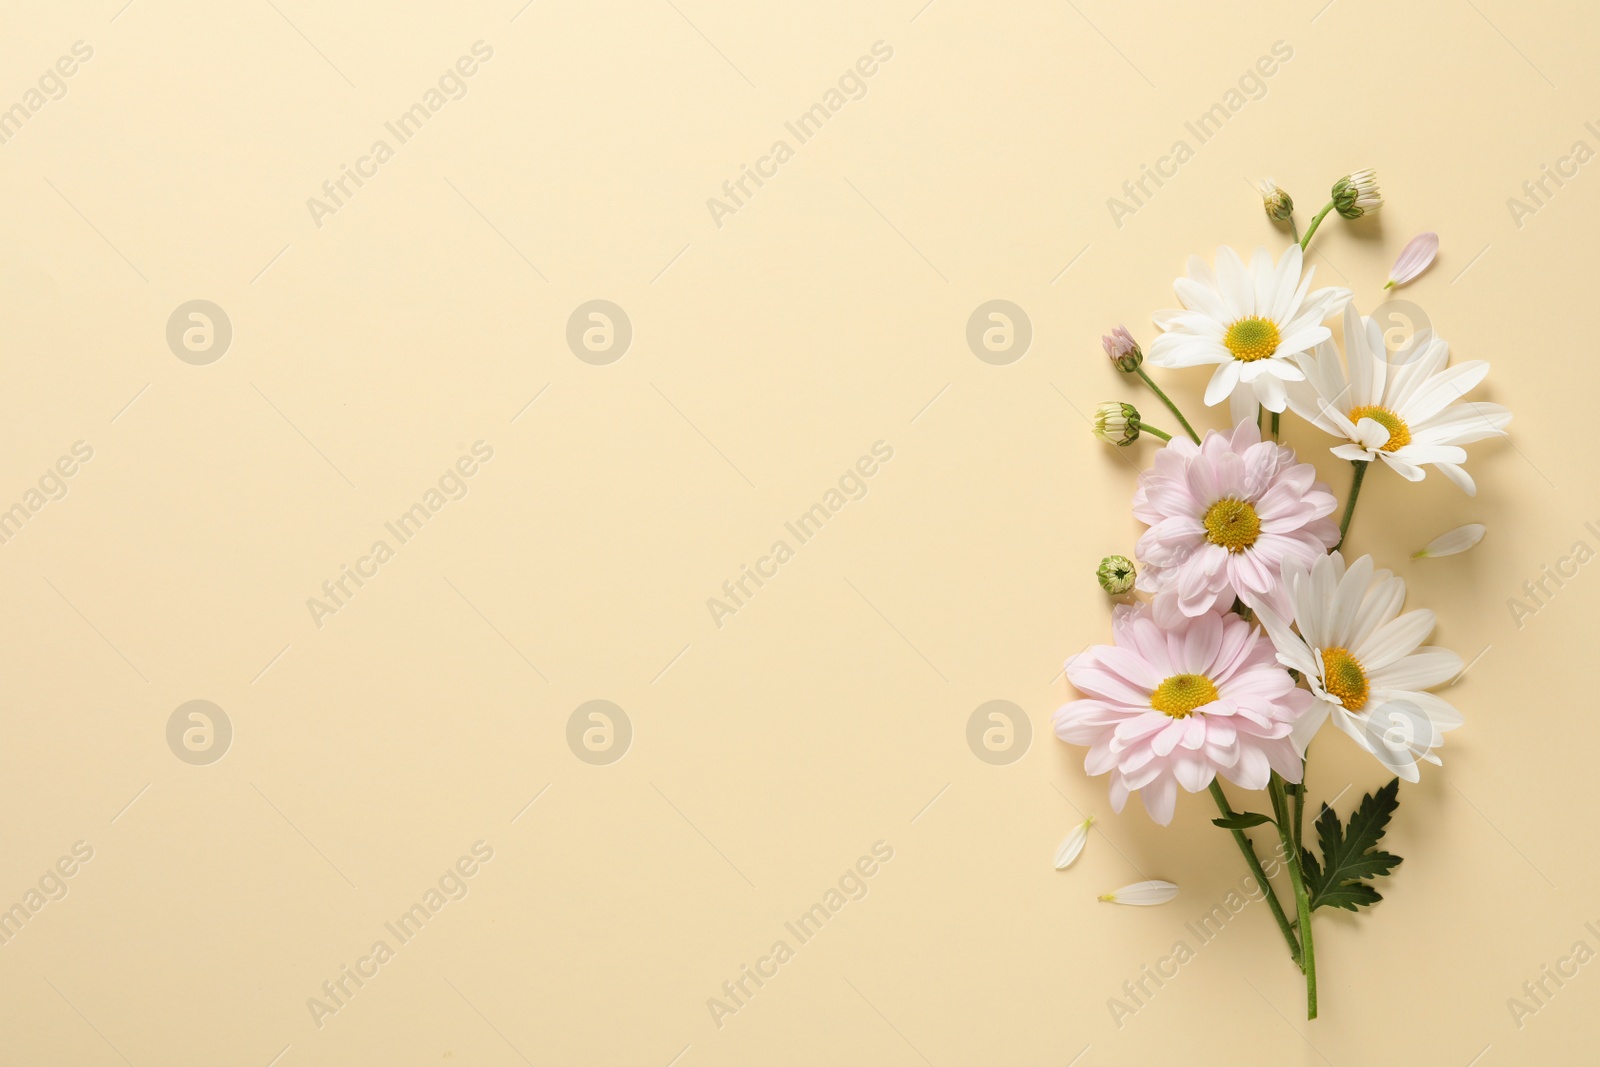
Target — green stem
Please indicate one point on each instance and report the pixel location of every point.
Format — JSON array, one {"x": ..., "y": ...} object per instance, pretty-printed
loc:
[
  {"x": 1302, "y": 899},
  {"x": 1147, "y": 428},
  {"x": 1315, "y": 222},
  {"x": 1294, "y": 229},
  {"x": 1254, "y": 863},
  {"x": 1300, "y": 804},
  {"x": 1275, "y": 415},
  {"x": 1165, "y": 399},
  {"x": 1350, "y": 505}
]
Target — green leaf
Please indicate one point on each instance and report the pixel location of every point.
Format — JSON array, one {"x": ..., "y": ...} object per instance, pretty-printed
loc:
[
  {"x": 1241, "y": 820},
  {"x": 1350, "y": 854}
]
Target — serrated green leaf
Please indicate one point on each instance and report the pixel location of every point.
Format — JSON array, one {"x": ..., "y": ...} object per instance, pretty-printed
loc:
[
  {"x": 1350, "y": 854},
  {"x": 1349, "y": 897},
  {"x": 1312, "y": 869},
  {"x": 1241, "y": 820}
]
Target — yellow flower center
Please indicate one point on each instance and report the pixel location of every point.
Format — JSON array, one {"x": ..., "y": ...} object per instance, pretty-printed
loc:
[
  {"x": 1233, "y": 524},
  {"x": 1344, "y": 677},
  {"x": 1399, "y": 432},
  {"x": 1252, "y": 339},
  {"x": 1182, "y": 693}
]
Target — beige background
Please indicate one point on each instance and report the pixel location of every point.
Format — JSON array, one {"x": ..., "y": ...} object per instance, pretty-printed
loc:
[{"x": 826, "y": 314}]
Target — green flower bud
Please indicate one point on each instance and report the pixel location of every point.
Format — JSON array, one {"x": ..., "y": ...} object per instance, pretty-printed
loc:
[
  {"x": 1122, "y": 350},
  {"x": 1357, "y": 194},
  {"x": 1116, "y": 424},
  {"x": 1279, "y": 205},
  {"x": 1116, "y": 574}
]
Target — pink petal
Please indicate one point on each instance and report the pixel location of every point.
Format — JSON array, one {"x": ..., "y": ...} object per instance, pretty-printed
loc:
[{"x": 1414, "y": 259}]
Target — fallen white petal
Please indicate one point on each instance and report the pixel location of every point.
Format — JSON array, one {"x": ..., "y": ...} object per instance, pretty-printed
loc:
[
  {"x": 1413, "y": 259},
  {"x": 1143, "y": 894},
  {"x": 1073, "y": 844},
  {"x": 1448, "y": 544}
]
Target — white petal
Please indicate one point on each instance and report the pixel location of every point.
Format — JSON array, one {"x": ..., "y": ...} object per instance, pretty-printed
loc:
[
  {"x": 1142, "y": 893},
  {"x": 1073, "y": 844},
  {"x": 1242, "y": 405},
  {"x": 1307, "y": 725},
  {"x": 1448, "y": 544}
]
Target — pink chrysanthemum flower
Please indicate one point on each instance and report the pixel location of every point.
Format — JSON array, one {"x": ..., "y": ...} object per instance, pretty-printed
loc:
[
  {"x": 1177, "y": 706},
  {"x": 1224, "y": 516}
]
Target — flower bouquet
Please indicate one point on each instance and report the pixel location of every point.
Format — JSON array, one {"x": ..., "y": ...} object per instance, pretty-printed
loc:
[{"x": 1254, "y": 630}]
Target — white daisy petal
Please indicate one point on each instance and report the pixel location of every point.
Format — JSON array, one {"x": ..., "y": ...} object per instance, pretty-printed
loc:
[
  {"x": 1423, "y": 669},
  {"x": 1452, "y": 541},
  {"x": 1223, "y": 382},
  {"x": 1359, "y": 358},
  {"x": 1073, "y": 844},
  {"x": 1307, "y": 725},
  {"x": 1461, "y": 478},
  {"x": 1143, "y": 894},
  {"x": 1395, "y": 640},
  {"x": 1241, "y": 404},
  {"x": 1238, "y": 292}
]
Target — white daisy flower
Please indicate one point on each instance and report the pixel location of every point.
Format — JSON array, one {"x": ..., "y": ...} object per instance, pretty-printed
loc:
[
  {"x": 1364, "y": 661},
  {"x": 1404, "y": 411},
  {"x": 1249, "y": 321}
]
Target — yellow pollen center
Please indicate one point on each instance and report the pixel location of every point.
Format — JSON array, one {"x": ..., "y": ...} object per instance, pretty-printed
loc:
[
  {"x": 1399, "y": 432},
  {"x": 1233, "y": 524},
  {"x": 1252, "y": 339},
  {"x": 1182, "y": 693},
  {"x": 1344, "y": 677}
]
